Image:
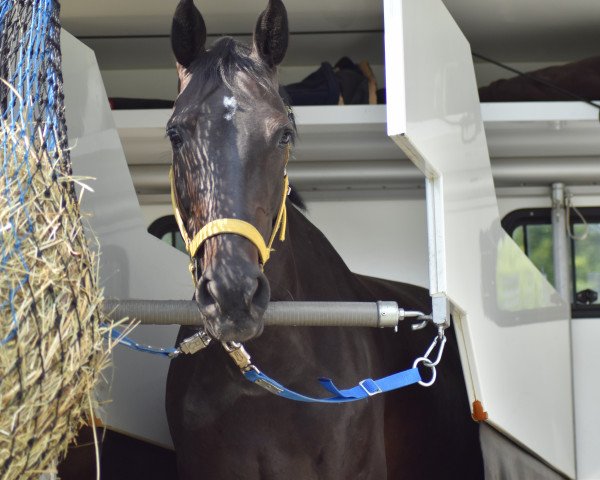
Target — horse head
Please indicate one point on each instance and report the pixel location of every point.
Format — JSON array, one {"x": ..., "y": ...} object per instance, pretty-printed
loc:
[{"x": 230, "y": 133}]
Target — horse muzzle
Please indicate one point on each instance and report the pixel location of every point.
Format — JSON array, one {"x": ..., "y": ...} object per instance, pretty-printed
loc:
[{"x": 232, "y": 301}]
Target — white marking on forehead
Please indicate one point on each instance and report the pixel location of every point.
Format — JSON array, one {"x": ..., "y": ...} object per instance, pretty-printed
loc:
[{"x": 230, "y": 104}]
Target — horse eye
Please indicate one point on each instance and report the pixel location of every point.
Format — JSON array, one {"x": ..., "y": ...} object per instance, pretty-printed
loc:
[
  {"x": 176, "y": 140},
  {"x": 286, "y": 137}
]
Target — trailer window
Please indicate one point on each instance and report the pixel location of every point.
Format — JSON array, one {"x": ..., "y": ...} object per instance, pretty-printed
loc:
[
  {"x": 536, "y": 241},
  {"x": 166, "y": 229},
  {"x": 587, "y": 258},
  {"x": 531, "y": 229}
]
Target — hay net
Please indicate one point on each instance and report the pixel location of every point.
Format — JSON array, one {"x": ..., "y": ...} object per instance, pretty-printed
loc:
[{"x": 51, "y": 341}]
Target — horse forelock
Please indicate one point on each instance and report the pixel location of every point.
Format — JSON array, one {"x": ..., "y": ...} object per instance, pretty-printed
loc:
[{"x": 226, "y": 60}]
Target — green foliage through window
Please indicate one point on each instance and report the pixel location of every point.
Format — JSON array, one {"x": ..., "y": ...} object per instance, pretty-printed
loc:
[
  {"x": 586, "y": 252},
  {"x": 532, "y": 232}
]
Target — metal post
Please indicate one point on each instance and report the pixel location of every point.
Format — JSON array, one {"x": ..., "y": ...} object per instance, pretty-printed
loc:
[
  {"x": 317, "y": 314},
  {"x": 561, "y": 248}
]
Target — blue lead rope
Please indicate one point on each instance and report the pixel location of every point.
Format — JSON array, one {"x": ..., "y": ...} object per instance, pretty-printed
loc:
[
  {"x": 365, "y": 388},
  {"x": 130, "y": 343}
]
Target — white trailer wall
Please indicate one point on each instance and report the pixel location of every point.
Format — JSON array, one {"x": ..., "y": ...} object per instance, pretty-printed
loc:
[{"x": 381, "y": 237}]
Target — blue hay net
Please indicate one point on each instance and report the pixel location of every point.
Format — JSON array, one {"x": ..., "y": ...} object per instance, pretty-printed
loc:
[
  {"x": 31, "y": 102},
  {"x": 32, "y": 106}
]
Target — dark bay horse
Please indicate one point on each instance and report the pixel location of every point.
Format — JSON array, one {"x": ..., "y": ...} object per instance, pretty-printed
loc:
[{"x": 231, "y": 134}]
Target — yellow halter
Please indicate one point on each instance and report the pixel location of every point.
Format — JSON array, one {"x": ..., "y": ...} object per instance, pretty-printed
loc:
[{"x": 233, "y": 225}]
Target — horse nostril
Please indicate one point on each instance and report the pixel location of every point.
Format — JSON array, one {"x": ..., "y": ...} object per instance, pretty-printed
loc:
[
  {"x": 204, "y": 296},
  {"x": 256, "y": 290},
  {"x": 262, "y": 292},
  {"x": 250, "y": 291}
]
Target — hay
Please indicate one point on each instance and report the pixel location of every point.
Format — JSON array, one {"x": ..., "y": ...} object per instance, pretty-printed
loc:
[{"x": 51, "y": 339}]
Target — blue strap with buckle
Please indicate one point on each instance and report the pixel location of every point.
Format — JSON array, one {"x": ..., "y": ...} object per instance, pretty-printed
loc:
[{"x": 365, "y": 388}]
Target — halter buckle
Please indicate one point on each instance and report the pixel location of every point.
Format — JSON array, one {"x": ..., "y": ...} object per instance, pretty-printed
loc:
[{"x": 369, "y": 386}]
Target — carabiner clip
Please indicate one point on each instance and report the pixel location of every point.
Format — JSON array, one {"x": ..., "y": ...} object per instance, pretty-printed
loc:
[
  {"x": 440, "y": 340},
  {"x": 437, "y": 339}
]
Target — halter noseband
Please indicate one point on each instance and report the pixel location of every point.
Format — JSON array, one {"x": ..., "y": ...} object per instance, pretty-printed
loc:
[{"x": 234, "y": 225}]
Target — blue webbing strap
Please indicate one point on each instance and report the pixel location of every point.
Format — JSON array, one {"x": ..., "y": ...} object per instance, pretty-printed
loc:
[
  {"x": 130, "y": 343},
  {"x": 365, "y": 388}
]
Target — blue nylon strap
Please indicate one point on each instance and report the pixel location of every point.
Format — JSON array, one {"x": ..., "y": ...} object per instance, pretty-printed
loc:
[
  {"x": 366, "y": 388},
  {"x": 130, "y": 343}
]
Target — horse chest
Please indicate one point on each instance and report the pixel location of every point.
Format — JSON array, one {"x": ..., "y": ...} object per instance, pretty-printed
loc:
[{"x": 215, "y": 410}]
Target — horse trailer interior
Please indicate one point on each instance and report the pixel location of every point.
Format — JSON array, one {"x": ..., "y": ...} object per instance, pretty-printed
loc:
[{"x": 434, "y": 189}]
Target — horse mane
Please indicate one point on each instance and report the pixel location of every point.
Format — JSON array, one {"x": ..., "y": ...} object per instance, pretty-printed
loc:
[
  {"x": 224, "y": 59},
  {"x": 297, "y": 200}
]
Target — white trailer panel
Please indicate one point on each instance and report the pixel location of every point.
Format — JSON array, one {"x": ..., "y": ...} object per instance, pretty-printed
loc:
[
  {"x": 133, "y": 264},
  {"x": 512, "y": 325}
]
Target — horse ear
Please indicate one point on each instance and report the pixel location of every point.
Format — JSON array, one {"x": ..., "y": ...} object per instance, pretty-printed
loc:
[
  {"x": 271, "y": 33},
  {"x": 188, "y": 33}
]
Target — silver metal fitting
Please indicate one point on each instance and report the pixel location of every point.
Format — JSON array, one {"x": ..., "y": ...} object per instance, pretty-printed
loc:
[
  {"x": 439, "y": 341},
  {"x": 389, "y": 314},
  {"x": 423, "y": 322},
  {"x": 239, "y": 354},
  {"x": 268, "y": 386},
  {"x": 195, "y": 343},
  {"x": 441, "y": 310}
]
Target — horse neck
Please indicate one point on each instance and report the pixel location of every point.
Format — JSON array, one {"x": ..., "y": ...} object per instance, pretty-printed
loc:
[{"x": 307, "y": 267}]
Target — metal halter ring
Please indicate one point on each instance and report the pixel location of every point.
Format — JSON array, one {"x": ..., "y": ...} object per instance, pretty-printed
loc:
[{"x": 426, "y": 362}]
